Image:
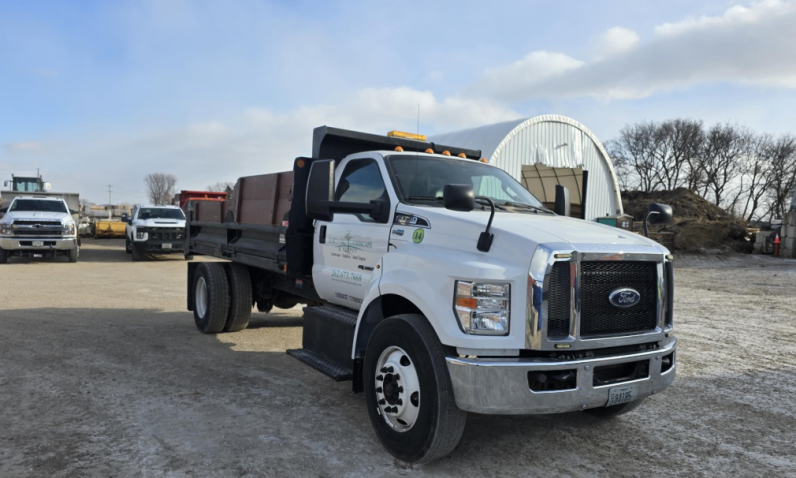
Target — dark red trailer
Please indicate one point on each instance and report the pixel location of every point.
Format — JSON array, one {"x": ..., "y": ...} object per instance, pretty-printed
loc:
[{"x": 181, "y": 199}]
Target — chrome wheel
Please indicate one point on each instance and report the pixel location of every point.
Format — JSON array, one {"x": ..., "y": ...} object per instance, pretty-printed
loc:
[
  {"x": 397, "y": 389},
  {"x": 200, "y": 295}
]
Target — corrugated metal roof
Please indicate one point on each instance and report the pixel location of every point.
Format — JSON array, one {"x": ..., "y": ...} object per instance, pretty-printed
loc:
[{"x": 552, "y": 140}]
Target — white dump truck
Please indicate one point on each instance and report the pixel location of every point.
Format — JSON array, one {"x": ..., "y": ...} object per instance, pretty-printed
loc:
[
  {"x": 38, "y": 226},
  {"x": 438, "y": 286}
]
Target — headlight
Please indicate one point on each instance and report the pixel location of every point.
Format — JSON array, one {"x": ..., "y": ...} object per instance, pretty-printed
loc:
[
  {"x": 140, "y": 234},
  {"x": 69, "y": 229},
  {"x": 483, "y": 308},
  {"x": 6, "y": 228}
]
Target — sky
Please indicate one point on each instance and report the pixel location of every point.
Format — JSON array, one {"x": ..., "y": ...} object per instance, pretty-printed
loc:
[{"x": 96, "y": 92}]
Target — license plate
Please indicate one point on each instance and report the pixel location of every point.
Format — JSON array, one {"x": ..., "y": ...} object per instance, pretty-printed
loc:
[
  {"x": 619, "y": 395},
  {"x": 166, "y": 246},
  {"x": 38, "y": 243}
]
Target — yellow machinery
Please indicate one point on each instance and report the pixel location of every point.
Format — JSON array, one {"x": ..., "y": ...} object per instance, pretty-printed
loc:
[{"x": 109, "y": 229}]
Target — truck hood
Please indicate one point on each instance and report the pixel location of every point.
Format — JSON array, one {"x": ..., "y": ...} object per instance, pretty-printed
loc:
[
  {"x": 38, "y": 215},
  {"x": 537, "y": 228}
]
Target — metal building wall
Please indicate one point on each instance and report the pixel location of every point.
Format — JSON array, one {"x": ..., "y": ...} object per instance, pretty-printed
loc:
[{"x": 552, "y": 140}]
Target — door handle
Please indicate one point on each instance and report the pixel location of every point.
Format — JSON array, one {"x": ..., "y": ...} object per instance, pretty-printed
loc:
[{"x": 322, "y": 235}]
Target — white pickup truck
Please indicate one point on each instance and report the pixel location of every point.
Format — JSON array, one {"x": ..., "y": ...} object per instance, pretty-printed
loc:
[
  {"x": 439, "y": 286},
  {"x": 154, "y": 230},
  {"x": 38, "y": 227}
]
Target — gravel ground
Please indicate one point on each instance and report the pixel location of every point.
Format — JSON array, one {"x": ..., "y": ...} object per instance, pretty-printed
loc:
[{"x": 102, "y": 373}]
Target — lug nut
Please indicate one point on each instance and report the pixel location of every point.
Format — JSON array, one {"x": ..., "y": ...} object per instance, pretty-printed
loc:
[
  {"x": 383, "y": 370},
  {"x": 390, "y": 369},
  {"x": 382, "y": 401},
  {"x": 400, "y": 389},
  {"x": 378, "y": 389},
  {"x": 400, "y": 402},
  {"x": 379, "y": 378},
  {"x": 396, "y": 377}
]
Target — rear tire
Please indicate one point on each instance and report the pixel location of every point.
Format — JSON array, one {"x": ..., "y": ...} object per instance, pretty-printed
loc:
[
  {"x": 240, "y": 297},
  {"x": 614, "y": 410},
  {"x": 73, "y": 254},
  {"x": 3, "y": 256},
  {"x": 211, "y": 298},
  {"x": 435, "y": 428}
]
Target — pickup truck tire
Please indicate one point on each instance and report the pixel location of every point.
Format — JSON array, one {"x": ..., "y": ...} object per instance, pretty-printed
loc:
[
  {"x": 240, "y": 297},
  {"x": 419, "y": 360},
  {"x": 128, "y": 248},
  {"x": 137, "y": 255},
  {"x": 3, "y": 256},
  {"x": 211, "y": 298},
  {"x": 614, "y": 410},
  {"x": 73, "y": 254}
]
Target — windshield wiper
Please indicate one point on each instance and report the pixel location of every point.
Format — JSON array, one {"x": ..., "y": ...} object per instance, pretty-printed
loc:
[
  {"x": 423, "y": 198},
  {"x": 527, "y": 206},
  {"x": 485, "y": 202}
]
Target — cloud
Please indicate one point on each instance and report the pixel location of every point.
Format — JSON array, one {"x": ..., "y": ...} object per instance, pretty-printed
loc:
[
  {"x": 617, "y": 40},
  {"x": 744, "y": 45},
  {"x": 23, "y": 146}
]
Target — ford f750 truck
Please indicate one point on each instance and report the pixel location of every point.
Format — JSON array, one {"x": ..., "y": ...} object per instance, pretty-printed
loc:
[{"x": 438, "y": 286}]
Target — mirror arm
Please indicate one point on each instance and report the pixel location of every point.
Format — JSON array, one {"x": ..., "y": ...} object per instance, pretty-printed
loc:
[
  {"x": 646, "y": 219},
  {"x": 485, "y": 239}
]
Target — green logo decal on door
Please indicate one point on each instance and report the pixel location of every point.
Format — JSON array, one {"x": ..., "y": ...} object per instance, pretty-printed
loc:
[{"x": 418, "y": 235}]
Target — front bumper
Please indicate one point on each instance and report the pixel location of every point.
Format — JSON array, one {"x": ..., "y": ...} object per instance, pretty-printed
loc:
[
  {"x": 153, "y": 246},
  {"x": 26, "y": 243},
  {"x": 501, "y": 386}
]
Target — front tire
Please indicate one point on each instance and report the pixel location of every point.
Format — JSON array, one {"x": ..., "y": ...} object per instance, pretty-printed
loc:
[
  {"x": 137, "y": 255},
  {"x": 211, "y": 298},
  {"x": 128, "y": 248},
  {"x": 408, "y": 390},
  {"x": 3, "y": 256},
  {"x": 614, "y": 410},
  {"x": 73, "y": 254}
]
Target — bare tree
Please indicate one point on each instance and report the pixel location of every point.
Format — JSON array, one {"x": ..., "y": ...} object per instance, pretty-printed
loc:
[
  {"x": 783, "y": 175},
  {"x": 221, "y": 187},
  {"x": 720, "y": 161},
  {"x": 85, "y": 203},
  {"x": 756, "y": 170},
  {"x": 160, "y": 188},
  {"x": 677, "y": 143},
  {"x": 635, "y": 152}
]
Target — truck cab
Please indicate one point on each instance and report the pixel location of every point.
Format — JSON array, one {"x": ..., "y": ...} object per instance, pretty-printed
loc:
[
  {"x": 439, "y": 285},
  {"x": 38, "y": 226},
  {"x": 154, "y": 230}
]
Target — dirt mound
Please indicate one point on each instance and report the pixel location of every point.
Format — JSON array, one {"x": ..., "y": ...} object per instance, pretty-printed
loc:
[{"x": 698, "y": 225}]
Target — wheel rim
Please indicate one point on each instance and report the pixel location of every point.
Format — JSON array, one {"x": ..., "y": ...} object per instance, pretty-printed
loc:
[
  {"x": 397, "y": 389},
  {"x": 201, "y": 297}
]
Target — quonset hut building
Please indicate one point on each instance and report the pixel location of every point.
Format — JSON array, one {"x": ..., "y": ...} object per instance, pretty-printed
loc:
[{"x": 544, "y": 151}]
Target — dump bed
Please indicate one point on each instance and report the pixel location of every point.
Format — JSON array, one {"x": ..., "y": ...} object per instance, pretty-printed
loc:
[{"x": 184, "y": 197}]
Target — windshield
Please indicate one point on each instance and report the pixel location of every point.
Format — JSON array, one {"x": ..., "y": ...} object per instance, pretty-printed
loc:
[
  {"x": 38, "y": 205},
  {"x": 420, "y": 178},
  {"x": 160, "y": 213}
]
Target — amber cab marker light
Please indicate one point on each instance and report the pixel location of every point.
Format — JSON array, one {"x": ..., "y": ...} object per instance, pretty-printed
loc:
[
  {"x": 446, "y": 153},
  {"x": 461, "y": 155},
  {"x": 398, "y": 148},
  {"x": 468, "y": 302},
  {"x": 483, "y": 160},
  {"x": 300, "y": 163},
  {"x": 430, "y": 151}
]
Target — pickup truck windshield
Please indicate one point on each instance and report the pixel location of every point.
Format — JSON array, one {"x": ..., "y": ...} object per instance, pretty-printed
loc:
[
  {"x": 38, "y": 205},
  {"x": 419, "y": 178},
  {"x": 160, "y": 213}
]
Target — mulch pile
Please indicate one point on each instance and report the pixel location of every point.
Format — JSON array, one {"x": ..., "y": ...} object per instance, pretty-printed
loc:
[{"x": 698, "y": 225}]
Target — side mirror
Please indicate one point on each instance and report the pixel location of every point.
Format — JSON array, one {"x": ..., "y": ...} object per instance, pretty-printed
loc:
[
  {"x": 320, "y": 190},
  {"x": 458, "y": 197},
  {"x": 562, "y": 201},
  {"x": 125, "y": 217},
  {"x": 657, "y": 215}
]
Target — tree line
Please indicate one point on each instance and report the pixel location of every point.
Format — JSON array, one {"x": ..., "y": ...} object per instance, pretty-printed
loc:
[{"x": 750, "y": 175}]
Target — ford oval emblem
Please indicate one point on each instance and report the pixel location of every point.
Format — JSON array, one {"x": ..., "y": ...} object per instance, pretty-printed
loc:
[{"x": 624, "y": 297}]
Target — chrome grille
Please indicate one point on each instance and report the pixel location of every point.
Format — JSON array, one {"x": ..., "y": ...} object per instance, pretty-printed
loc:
[
  {"x": 598, "y": 279},
  {"x": 559, "y": 296}
]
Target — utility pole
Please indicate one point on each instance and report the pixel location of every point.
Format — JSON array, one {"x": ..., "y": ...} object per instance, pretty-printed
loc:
[{"x": 109, "y": 194}]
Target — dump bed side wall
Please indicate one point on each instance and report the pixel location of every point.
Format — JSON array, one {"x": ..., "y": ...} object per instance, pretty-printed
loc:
[{"x": 262, "y": 200}]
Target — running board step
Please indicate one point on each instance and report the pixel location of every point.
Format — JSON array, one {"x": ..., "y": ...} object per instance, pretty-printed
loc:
[{"x": 321, "y": 364}]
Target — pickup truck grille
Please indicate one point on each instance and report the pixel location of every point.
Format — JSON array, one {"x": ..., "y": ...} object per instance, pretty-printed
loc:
[
  {"x": 37, "y": 232},
  {"x": 37, "y": 223},
  {"x": 165, "y": 234},
  {"x": 558, "y": 301},
  {"x": 598, "y": 279}
]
